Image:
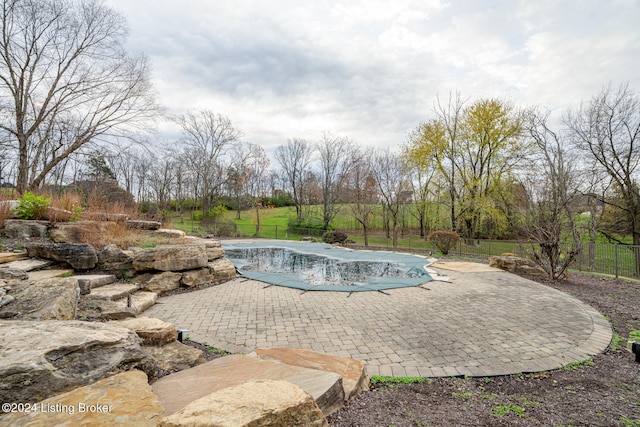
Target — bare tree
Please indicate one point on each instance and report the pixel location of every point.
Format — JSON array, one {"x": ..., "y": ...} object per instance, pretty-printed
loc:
[
  {"x": 337, "y": 157},
  {"x": 206, "y": 137},
  {"x": 66, "y": 81},
  {"x": 362, "y": 192},
  {"x": 391, "y": 179},
  {"x": 294, "y": 159},
  {"x": 607, "y": 131},
  {"x": 553, "y": 188},
  {"x": 257, "y": 182}
]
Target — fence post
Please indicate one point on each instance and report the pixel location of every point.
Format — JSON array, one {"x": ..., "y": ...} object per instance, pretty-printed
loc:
[{"x": 615, "y": 258}]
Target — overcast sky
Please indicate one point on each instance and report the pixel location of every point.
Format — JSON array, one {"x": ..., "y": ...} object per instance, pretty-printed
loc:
[{"x": 371, "y": 70}]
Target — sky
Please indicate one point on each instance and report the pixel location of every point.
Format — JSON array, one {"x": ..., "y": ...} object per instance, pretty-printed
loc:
[{"x": 372, "y": 70}]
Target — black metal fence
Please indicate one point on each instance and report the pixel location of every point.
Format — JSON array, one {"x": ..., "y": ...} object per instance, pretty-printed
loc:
[{"x": 610, "y": 259}]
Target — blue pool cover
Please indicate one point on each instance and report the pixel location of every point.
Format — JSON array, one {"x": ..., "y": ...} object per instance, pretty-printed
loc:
[{"x": 322, "y": 267}]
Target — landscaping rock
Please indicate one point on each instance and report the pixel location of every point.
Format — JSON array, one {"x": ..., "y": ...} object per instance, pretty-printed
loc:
[
  {"x": 260, "y": 403},
  {"x": 178, "y": 390},
  {"x": 170, "y": 258},
  {"x": 122, "y": 399},
  {"x": 27, "y": 264},
  {"x": 175, "y": 356},
  {"x": 11, "y": 256},
  {"x": 112, "y": 259},
  {"x": 150, "y": 330},
  {"x": 77, "y": 231},
  {"x": 25, "y": 229},
  {"x": 13, "y": 273},
  {"x": 113, "y": 291},
  {"x": 105, "y": 309},
  {"x": 353, "y": 372},
  {"x": 222, "y": 269},
  {"x": 159, "y": 283},
  {"x": 41, "y": 359},
  {"x": 143, "y": 225},
  {"x": 92, "y": 281},
  {"x": 197, "y": 277},
  {"x": 49, "y": 299},
  {"x": 166, "y": 233},
  {"x": 142, "y": 300},
  {"x": 35, "y": 276},
  {"x": 516, "y": 265},
  {"x": 80, "y": 256}
]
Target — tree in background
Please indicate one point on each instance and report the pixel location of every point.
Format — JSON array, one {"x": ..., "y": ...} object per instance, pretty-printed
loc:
[
  {"x": 337, "y": 157},
  {"x": 606, "y": 130},
  {"x": 391, "y": 179},
  {"x": 361, "y": 191},
  {"x": 206, "y": 137},
  {"x": 294, "y": 158},
  {"x": 66, "y": 81},
  {"x": 552, "y": 192}
]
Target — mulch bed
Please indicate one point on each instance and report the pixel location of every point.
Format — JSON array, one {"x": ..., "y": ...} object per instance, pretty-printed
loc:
[{"x": 604, "y": 392}]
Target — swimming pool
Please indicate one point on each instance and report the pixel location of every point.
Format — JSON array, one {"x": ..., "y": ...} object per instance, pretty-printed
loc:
[{"x": 322, "y": 267}]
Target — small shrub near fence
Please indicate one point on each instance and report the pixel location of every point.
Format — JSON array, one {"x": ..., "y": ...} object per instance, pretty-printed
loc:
[{"x": 444, "y": 240}]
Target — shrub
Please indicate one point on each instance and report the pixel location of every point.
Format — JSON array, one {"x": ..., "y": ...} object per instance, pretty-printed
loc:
[
  {"x": 332, "y": 237},
  {"x": 444, "y": 240},
  {"x": 31, "y": 206}
]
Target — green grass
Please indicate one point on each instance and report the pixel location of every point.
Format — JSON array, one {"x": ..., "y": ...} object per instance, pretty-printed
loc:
[
  {"x": 379, "y": 379},
  {"x": 501, "y": 410}
]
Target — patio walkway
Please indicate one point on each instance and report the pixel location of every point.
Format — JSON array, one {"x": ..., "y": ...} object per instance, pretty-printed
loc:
[{"x": 482, "y": 324}]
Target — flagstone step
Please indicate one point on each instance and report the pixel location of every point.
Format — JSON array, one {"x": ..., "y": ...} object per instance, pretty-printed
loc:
[
  {"x": 87, "y": 282},
  {"x": 180, "y": 389},
  {"x": 6, "y": 257},
  {"x": 26, "y": 264},
  {"x": 48, "y": 274},
  {"x": 112, "y": 292}
]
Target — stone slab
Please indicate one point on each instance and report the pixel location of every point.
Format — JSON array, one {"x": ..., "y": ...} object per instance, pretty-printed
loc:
[
  {"x": 353, "y": 372},
  {"x": 122, "y": 399},
  {"x": 113, "y": 292},
  {"x": 92, "y": 281},
  {"x": 6, "y": 257},
  {"x": 175, "y": 356},
  {"x": 180, "y": 389},
  {"x": 26, "y": 264},
  {"x": 48, "y": 274},
  {"x": 142, "y": 300},
  {"x": 152, "y": 331},
  {"x": 259, "y": 403}
]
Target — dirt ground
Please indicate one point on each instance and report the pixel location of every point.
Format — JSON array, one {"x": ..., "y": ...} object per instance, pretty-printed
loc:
[{"x": 601, "y": 392}]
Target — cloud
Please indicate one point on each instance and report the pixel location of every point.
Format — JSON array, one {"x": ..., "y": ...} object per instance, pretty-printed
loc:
[{"x": 371, "y": 70}]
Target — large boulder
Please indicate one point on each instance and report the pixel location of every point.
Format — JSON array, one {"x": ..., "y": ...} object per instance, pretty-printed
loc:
[
  {"x": 161, "y": 282},
  {"x": 77, "y": 231},
  {"x": 180, "y": 389},
  {"x": 353, "y": 372},
  {"x": 115, "y": 260},
  {"x": 197, "y": 277},
  {"x": 515, "y": 264},
  {"x": 25, "y": 229},
  {"x": 260, "y": 403},
  {"x": 222, "y": 269},
  {"x": 171, "y": 258},
  {"x": 80, "y": 256},
  {"x": 49, "y": 299},
  {"x": 41, "y": 359},
  {"x": 122, "y": 399}
]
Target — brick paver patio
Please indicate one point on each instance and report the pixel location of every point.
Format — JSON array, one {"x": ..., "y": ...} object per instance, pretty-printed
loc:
[{"x": 481, "y": 324}]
